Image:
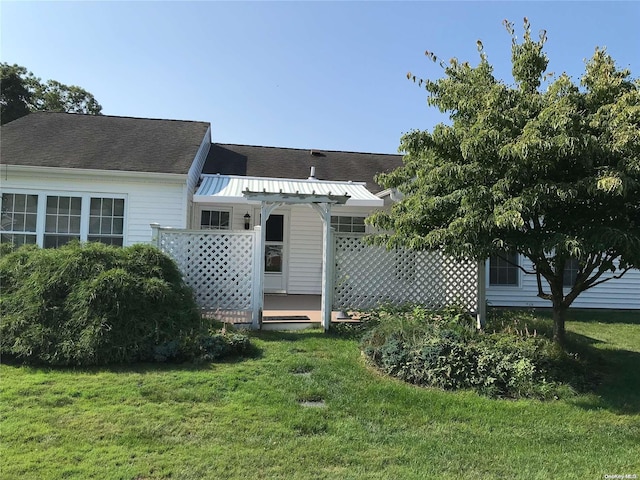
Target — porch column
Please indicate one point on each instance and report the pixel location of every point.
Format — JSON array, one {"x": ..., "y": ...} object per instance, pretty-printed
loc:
[{"x": 324, "y": 210}]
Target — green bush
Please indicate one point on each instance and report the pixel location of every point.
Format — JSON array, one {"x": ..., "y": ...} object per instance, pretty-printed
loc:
[
  {"x": 442, "y": 349},
  {"x": 205, "y": 346},
  {"x": 93, "y": 304}
]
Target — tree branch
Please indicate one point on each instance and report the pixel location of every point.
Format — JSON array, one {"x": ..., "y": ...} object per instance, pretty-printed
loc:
[
  {"x": 520, "y": 267},
  {"x": 610, "y": 278},
  {"x": 541, "y": 293}
]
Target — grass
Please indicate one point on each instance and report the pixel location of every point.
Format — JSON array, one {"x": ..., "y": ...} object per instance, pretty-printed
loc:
[{"x": 244, "y": 419}]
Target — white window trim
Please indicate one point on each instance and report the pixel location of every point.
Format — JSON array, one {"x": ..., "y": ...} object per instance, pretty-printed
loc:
[
  {"x": 503, "y": 286},
  {"x": 18, "y": 232},
  {"x": 84, "y": 209},
  {"x": 568, "y": 287},
  {"x": 352, "y": 215},
  {"x": 214, "y": 208}
]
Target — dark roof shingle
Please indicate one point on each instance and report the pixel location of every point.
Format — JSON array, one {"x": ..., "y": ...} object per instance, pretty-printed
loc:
[
  {"x": 256, "y": 161},
  {"x": 48, "y": 139}
]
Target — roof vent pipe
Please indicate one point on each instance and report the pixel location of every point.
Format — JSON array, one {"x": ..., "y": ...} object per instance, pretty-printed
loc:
[{"x": 312, "y": 175}]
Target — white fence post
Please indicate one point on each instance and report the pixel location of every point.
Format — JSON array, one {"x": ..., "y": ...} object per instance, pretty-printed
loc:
[
  {"x": 481, "y": 315},
  {"x": 155, "y": 234},
  {"x": 257, "y": 295}
]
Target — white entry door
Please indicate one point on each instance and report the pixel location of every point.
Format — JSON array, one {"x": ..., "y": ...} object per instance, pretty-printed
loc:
[{"x": 275, "y": 254}]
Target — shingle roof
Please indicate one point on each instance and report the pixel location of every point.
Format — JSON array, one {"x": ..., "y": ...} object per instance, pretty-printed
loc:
[
  {"x": 48, "y": 139},
  {"x": 255, "y": 161}
]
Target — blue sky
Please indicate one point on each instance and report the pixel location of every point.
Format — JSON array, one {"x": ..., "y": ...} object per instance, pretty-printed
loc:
[{"x": 322, "y": 75}]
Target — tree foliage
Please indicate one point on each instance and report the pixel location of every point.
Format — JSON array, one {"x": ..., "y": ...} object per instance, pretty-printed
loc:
[
  {"x": 546, "y": 168},
  {"x": 22, "y": 92}
]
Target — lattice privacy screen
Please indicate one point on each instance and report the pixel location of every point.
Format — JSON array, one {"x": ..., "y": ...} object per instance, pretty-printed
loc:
[
  {"x": 218, "y": 266},
  {"x": 367, "y": 276}
]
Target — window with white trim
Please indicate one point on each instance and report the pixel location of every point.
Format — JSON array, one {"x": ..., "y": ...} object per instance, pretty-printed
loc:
[
  {"x": 62, "y": 222},
  {"x": 570, "y": 272},
  {"x": 215, "y": 219},
  {"x": 19, "y": 218},
  {"x": 344, "y": 224},
  {"x": 106, "y": 221},
  {"x": 503, "y": 270},
  {"x": 52, "y": 220}
]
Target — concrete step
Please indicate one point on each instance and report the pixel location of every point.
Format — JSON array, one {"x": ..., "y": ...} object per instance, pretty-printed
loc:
[{"x": 288, "y": 322}]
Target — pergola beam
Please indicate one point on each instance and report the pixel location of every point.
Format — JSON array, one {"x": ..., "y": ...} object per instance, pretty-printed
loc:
[{"x": 295, "y": 198}]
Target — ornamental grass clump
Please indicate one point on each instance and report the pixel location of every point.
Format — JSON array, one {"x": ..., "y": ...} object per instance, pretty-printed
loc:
[
  {"x": 93, "y": 304},
  {"x": 443, "y": 349}
]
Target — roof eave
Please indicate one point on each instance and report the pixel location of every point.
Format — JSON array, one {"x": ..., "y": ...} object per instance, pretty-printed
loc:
[{"x": 66, "y": 171}]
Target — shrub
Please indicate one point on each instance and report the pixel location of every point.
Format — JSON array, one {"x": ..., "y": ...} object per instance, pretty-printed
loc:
[
  {"x": 442, "y": 349},
  {"x": 93, "y": 304},
  {"x": 206, "y": 346}
]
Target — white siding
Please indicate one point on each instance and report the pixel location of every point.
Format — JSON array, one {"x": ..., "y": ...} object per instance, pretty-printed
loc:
[
  {"x": 305, "y": 251},
  {"x": 623, "y": 293},
  {"x": 159, "y": 199},
  {"x": 305, "y": 247}
]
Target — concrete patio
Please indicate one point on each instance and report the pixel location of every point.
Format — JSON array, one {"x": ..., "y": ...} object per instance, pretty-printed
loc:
[{"x": 292, "y": 312}]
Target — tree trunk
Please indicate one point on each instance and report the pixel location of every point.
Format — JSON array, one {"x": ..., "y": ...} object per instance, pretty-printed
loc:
[{"x": 559, "y": 316}]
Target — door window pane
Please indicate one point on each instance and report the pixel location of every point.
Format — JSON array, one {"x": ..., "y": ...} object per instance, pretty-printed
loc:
[
  {"x": 273, "y": 258},
  {"x": 275, "y": 228}
]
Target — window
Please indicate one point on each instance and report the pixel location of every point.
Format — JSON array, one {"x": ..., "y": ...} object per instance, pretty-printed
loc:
[
  {"x": 570, "y": 272},
  {"x": 215, "y": 219},
  {"x": 106, "y": 221},
  {"x": 62, "y": 222},
  {"x": 503, "y": 269},
  {"x": 348, "y": 224},
  {"x": 19, "y": 218},
  {"x": 56, "y": 219}
]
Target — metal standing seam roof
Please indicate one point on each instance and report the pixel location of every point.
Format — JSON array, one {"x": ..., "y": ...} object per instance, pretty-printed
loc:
[{"x": 230, "y": 188}]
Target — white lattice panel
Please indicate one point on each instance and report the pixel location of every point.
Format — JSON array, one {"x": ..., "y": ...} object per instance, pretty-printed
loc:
[
  {"x": 367, "y": 276},
  {"x": 218, "y": 266}
]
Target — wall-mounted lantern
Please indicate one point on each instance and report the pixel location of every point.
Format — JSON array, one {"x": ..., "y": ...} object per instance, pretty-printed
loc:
[{"x": 247, "y": 221}]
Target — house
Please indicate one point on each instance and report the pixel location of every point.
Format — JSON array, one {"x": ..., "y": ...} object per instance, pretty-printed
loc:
[
  {"x": 294, "y": 259},
  {"x": 69, "y": 176},
  {"x": 106, "y": 178},
  {"x": 508, "y": 286}
]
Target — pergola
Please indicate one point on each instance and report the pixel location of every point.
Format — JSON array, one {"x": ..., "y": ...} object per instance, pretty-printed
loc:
[
  {"x": 321, "y": 203},
  {"x": 271, "y": 193}
]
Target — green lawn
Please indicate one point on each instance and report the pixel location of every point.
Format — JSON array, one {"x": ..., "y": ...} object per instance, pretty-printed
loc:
[{"x": 243, "y": 419}]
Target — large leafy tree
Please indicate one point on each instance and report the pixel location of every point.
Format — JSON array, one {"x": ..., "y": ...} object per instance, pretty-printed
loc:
[
  {"x": 21, "y": 92},
  {"x": 544, "y": 167}
]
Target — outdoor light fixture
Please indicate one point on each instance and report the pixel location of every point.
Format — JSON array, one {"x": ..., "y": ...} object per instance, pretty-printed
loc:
[{"x": 247, "y": 221}]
